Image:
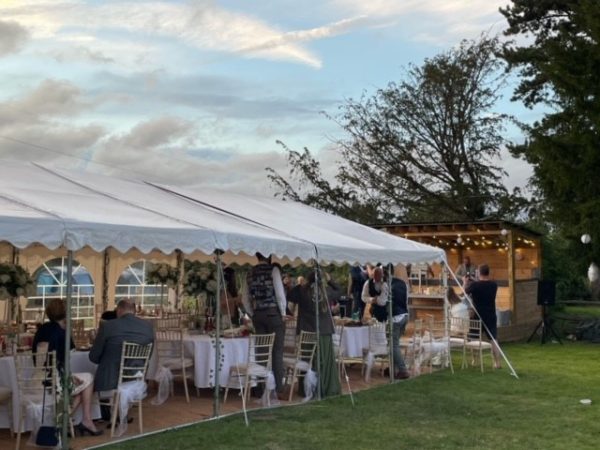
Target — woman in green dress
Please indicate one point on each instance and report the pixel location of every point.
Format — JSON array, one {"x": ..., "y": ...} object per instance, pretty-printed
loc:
[{"x": 303, "y": 296}]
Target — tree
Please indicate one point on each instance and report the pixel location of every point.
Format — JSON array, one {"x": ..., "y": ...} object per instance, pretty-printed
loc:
[
  {"x": 420, "y": 149},
  {"x": 557, "y": 55}
]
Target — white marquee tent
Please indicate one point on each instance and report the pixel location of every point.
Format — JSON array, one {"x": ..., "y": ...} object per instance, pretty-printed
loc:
[{"x": 76, "y": 210}]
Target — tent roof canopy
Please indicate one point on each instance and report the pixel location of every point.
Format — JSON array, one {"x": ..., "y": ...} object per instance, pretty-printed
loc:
[{"x": 57, "y": 208}]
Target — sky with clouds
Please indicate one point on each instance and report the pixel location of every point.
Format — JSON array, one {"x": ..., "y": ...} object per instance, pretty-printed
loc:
[{"x": 197, "y": 92}]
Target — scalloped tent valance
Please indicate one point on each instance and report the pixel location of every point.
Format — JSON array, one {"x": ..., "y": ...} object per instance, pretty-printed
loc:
[{"x": 55, "y": 208}]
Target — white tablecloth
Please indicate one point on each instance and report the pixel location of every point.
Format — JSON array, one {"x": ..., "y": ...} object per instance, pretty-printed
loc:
[
  {"x": 8, "y": 378},
  {"x": 354, "y": 340},
  {"x": 202, "y": 347}
]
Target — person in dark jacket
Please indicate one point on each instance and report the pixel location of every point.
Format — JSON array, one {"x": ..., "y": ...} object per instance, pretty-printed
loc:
[
  {"x": 399, "y": 298},
  {"x": 53, "y": 333},
  {"x": 106, "y": 351}
]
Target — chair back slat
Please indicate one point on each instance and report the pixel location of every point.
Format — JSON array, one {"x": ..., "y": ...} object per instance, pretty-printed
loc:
[
  {"x": 36, "y": 372},
  {"x": 169, "y": 344},
  {"x": 134, "y": 361},
  {"x": 289, "y": 341},
  {"x": 260, "y": 349},
  {"x": 378, "y": 335},
  {"x": 307, "y": 345},
  {"x": 169, "y": 323},
  {"x": 474, "y": 331},
  {"x": 336, "y": 339},
  {"x": 459, "y": 327}
]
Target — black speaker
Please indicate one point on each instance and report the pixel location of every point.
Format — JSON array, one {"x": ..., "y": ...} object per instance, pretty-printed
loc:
[{"x": 546, "y": 293}]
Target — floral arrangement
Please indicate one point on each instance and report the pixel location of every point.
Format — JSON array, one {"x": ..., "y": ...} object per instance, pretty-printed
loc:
[
  {"x": 199, "y": 278},
  {"x": 15, "y": 282},
  {"x": 162, "y": 274}
]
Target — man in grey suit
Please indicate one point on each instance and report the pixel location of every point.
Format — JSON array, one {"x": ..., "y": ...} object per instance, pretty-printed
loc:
[{"x": 106, "y": 351}]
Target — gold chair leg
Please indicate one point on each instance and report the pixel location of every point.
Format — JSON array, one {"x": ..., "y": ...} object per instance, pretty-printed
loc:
[
  {"x": 141, "y": 417},
  {"x": 113, "y": 413},
  {"x": 185, "y": 386},
  {"x": 19, "y": 428}
]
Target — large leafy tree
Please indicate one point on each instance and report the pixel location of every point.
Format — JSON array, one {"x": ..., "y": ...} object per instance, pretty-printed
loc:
[
  {"x": 420, "y": 149},
  {"x": 555, "y": 51}
]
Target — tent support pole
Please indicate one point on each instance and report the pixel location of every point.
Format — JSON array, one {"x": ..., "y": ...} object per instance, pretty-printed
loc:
[
  {"x": 105, "y": 269},
  {"x": 446, "y": 311},
  {"x": 67, "y": 362},
  {"x": 217, "y": 316},
  {"x": 391, "y": 324},
  {"x": 317, "y": 311}
]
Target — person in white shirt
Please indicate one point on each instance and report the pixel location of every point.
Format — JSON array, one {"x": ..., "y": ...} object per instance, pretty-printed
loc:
[{"x": 375, "y": 292}]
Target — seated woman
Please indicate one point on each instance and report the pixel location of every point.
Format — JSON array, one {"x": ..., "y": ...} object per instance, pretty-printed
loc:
[{"x": 53, "y": 332}]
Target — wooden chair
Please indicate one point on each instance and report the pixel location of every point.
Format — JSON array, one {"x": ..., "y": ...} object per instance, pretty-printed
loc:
[
  {"x": 171, "y": 354},
  {"x": 169, "y": 323},
  {"x": 6, "y": 400},
  {"x": 81, "y": 338},
  {"x": 378, "y": 350},
  {"x": 35, "y": 373},
  {"x": 457, "y": 339},
  {"x": 476, "y": 345},
  {"x": 290, "y": 338},
  {"x": 133, "y": 367},
  {"x": 341, "y": 358},
  {"x": 436, "y": 342},
  {"x": 302, "y": 362},
  {"x": 411, "y": 345},
  {"x": 258, "y": 365}
]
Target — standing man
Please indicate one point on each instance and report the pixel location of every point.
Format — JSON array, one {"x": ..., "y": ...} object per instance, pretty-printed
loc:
[
  {"x": 483, "y": 294},
  {"x": 466, "y": 269},
  {"x": 265, "y": 300},
  {"x": 399, "y": 294}
]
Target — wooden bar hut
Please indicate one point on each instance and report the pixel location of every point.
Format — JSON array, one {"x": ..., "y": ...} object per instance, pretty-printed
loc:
[{"x": 512, "y": 251}]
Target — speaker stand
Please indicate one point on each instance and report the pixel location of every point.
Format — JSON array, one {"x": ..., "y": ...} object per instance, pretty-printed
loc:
[{"x": 546, "y": 326}]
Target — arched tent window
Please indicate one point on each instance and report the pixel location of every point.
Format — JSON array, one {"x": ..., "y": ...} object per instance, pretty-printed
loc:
[
  {"x": 51, "y": 280},
  {"x": 132, "y": 285}
]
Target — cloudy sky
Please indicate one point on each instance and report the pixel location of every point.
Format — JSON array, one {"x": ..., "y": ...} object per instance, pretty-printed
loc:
[{"x": 197, "y": 92}]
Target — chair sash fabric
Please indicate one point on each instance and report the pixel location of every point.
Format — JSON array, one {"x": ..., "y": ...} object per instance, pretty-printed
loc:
[
  {"x": 311, "y": 381},
  {"x": 164, "y": 377},
  {"x": 269, "y": 389},
  {"x": 129, "y": 393}
]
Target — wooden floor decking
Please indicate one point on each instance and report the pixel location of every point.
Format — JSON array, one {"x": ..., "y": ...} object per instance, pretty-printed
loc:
[{"x": 175, "y": 411}]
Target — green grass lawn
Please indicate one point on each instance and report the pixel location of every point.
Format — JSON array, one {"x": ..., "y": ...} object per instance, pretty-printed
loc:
[
  {"x": 583, "y": 311},
  {"x": 541, "y": 410}
]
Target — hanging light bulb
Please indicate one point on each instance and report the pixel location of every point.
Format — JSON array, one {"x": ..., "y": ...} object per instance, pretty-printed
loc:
[
  {"x": 459, "y": 240},
  {"x": 586, "y": 238}
]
